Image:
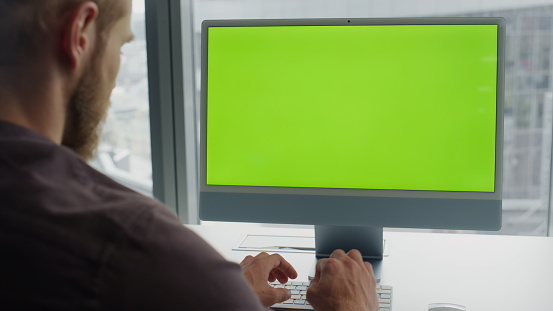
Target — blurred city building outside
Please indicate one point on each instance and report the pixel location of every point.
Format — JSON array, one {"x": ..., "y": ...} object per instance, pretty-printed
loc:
[
  {"x": 528, "y": 119},
  {"x": 125, "y": 152}
]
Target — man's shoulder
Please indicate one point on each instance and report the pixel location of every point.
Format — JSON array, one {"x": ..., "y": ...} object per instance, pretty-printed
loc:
[
  {"x": 46, "y": 191},
  {"x": 34, "y": 169}
]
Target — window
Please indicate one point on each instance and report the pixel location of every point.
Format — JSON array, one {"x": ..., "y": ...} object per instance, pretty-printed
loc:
[{"x": 124, "y": 152}]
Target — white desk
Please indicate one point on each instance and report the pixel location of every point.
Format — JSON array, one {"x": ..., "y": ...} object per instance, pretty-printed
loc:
[{"x": 484, "y": 273}]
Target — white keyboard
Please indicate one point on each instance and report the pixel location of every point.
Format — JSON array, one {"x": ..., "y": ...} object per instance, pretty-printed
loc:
[{"x": 298, "y": 300}]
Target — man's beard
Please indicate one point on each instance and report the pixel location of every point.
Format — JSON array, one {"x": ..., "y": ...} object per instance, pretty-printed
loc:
[{"x": 86, "y": 110}]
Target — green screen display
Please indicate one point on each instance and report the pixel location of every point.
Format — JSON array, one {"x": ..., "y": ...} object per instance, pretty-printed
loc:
[{"x": 401, "y": 107}]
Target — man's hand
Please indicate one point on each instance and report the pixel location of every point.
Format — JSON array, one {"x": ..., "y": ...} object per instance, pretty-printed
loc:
[
  {"x": 343, "y": 282},
  {"x": 264, "y": 267}
]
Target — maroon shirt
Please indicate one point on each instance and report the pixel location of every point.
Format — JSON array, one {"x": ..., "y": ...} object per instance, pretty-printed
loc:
[{"x": 73, "y": 239}]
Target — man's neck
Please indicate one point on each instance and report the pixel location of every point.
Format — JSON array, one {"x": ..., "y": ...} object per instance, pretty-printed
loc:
[{"x": 35, "y": 101}]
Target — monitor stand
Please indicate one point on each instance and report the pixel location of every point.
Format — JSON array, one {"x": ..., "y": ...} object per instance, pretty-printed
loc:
[{"x": 368, "y": 240}]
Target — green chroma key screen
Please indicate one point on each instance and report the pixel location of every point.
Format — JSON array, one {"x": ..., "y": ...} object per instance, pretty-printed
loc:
[{"x": 401, "y": 107}]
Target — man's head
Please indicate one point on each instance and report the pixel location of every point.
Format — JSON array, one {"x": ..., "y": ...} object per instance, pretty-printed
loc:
[{"x": 83, "y": 38}]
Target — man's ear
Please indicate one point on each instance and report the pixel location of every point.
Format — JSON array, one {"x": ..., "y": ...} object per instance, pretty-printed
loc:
[{"x": 79, "y": 34}]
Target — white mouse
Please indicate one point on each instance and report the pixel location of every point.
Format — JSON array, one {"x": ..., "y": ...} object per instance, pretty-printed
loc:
[{"x": 445, "y": 307}]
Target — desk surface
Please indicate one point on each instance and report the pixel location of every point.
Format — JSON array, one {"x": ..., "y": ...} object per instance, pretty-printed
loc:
[{"x": 481, "y": 272}]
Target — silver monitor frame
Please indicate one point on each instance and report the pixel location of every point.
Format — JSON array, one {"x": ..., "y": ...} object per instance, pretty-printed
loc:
[{"x": 355, "y": 207}]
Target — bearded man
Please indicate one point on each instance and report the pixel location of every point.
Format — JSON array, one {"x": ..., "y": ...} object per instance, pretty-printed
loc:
[{"x": 72, "y": 238}]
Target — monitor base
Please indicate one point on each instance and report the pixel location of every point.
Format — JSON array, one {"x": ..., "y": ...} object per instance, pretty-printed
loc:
[{"x": 368, "y": 240}]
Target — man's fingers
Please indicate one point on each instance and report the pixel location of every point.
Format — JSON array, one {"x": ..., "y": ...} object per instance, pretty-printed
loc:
[
  {"x": 281, "y": 277},
  {"x": 272, "y": 263},
  {"x": 369, "y": 267},
  {"x": 281, "y": 294},
  {"x": 355, "y": 255},
  {"x": 246, "y": 260},
  {"x": 319, "y": 266},
  {"x": 318, "y": 270},
  {"x": 278, "y": 275},
  {"x": 279, "y": 263},
  {"x": 262, "y": 255},
  {"x": 263, "y": 267},
  {"x": 272, "y": 277},
  {"x": 338, "y": 254}
]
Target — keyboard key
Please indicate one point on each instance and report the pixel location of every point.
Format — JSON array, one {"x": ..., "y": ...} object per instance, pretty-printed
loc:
[
  {"x": 386, "y": 296},
  {"x": 299, "y": 302},
  {"x": 383, "y": 300}
]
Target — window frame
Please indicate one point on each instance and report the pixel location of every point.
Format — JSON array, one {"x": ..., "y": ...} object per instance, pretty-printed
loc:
[{"x": 168, "y": 100}]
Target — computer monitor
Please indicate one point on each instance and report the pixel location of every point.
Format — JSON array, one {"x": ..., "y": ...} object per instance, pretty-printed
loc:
[{"x": 353, "y": 125}]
